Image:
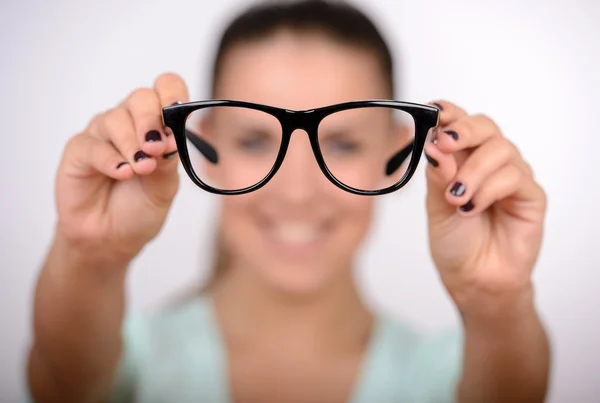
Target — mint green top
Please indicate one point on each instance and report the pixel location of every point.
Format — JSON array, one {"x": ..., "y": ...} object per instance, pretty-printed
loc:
[{"x": 179, "y": 356}]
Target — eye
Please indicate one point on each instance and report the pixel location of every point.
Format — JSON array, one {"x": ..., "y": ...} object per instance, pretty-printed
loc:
[
  {"x": 256, "y": 142},
  {"x": 253, "y": 144},
  {"x": 340, "y": 145}
]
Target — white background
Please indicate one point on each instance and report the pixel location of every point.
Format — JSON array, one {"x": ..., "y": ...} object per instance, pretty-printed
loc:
[{"x": 533, "y": 66}]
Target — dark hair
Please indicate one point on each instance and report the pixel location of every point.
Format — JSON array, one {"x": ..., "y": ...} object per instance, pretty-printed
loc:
[{"x": 339, "y": 20}]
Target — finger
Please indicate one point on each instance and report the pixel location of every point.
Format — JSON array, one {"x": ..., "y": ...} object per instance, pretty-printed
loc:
[
  {"x": 171, "y": 88},
  {"x": 440, "y": 171},
  {"x": 88, "y": 155},
  {"x": 448, "y": 112},
  {"x": 116, "y": 126},
  {"x": 170, "y": 149},
  {"x": 145, "y": 109},
  {"x": 481, "y": 163},
  {"x": 466, "y": 133},
  {"x": 513, "y": 190},
  {"x": 94, "y": 126}
]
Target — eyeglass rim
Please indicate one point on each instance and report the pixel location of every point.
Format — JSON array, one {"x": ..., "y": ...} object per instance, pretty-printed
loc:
[{"x": 425, "y": 118}]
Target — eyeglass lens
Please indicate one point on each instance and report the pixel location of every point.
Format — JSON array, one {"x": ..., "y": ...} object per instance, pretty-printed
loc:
[{"x": 233, "y": 148}]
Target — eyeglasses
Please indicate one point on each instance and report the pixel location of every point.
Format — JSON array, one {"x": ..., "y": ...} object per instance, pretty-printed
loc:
[{"x": 363, "y": 147}]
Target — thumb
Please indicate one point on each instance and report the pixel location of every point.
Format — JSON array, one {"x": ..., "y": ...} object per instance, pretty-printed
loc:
[
  {"x": 440, "y": 171},
  {"x": 161, "y": 185}
]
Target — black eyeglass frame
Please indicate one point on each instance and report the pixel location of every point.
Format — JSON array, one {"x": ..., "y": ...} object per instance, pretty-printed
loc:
[{"x": 425, "y": 118}]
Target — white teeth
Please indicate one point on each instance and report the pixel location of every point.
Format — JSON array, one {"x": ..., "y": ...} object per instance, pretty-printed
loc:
[{"x": 296, "y": 233}]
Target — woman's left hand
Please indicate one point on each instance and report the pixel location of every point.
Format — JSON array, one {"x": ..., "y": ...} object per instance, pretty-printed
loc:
[{"x": 485, "y": 212}]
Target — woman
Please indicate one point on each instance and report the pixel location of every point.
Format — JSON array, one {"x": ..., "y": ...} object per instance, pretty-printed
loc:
[{"x": 282, "y": 320}]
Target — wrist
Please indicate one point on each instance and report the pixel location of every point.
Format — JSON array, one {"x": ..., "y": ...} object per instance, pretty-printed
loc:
[
  {"x": 490, "y": 305},
  {"x": 501, "y": 314},
  {"x": 88, "y": 257}
]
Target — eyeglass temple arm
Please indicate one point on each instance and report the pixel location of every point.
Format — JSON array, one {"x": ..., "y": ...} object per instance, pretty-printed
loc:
[
  {"x": 398, "y": 159},
  {"x": 205, "y": 149}
]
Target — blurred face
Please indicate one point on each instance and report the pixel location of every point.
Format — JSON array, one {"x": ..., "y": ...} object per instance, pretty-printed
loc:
[{"x": 299, "y": 233}]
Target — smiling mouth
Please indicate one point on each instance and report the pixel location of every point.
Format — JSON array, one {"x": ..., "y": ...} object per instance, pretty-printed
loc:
[{"x": 295, "y": 238}]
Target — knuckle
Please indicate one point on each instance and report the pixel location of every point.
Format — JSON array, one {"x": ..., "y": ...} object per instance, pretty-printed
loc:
[
  {"x": 505, "y": 147},
  {"x": 466, "y": 127},
  {"x": 142, "y": 94},
  {"x": 488, "y": 122},
  {"x": 482, "y": 117},
  {"x": 515, "y": 173},
  {"x": 512, "y": 147},
  {"x": 115, "y": 119},
  {"x": 74, "y": 143},
  {"x": 528, "y": 169},
  {"x": 95, "y": 122}
]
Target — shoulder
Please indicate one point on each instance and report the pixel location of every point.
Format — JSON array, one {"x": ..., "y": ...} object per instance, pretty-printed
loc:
[
  {"x": 163, "y": 350},
  {"x": 173, "y": 331},
  {"x": 400, "y": 339}
]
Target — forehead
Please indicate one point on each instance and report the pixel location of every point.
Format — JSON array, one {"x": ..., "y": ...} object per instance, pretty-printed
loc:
[{"x": 299, "y": 71}]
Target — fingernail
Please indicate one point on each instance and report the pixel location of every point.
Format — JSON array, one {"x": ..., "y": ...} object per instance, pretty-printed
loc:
[
  {"x": 458, "y": 189},
  {"x": 452, "y": 134},
  {"x": 433, "y": 162},
  {"x": 467, "y": 207},
  {"x": 121, "y": 164},
  {"x": 169, "y": 155},
  {"x": 176, "y": 103},
  {"x": 440, "y": 107},
  {"x": 153, "y": 136},
  {"x": 140, "y": 156}
]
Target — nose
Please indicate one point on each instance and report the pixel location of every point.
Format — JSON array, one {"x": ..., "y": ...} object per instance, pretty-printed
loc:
[{"x": 298, "y": 178}]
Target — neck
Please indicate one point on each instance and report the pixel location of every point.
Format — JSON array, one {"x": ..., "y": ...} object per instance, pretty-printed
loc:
[{"x": 252, "y": 312}]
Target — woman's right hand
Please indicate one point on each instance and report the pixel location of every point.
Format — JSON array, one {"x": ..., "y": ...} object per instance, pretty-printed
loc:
[{"x": 117, "y": 179}]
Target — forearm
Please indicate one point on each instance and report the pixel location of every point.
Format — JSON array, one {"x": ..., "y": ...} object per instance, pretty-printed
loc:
[
  {"x": 506, "y": 356},
  {"x": 78, "y": 312}
]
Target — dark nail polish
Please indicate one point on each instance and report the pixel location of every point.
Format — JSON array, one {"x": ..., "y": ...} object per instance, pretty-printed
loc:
[
  {"x": 140, "y": 156},
  {"x": 468, "y": 207},
  {"x": 433, "y": 162},
  {"x": 452, "y": 134},
  {"x": 169, "y": 155},
  {"x": 153, "y": 136},
  {"x": 440, "y": 107},
  {"x": 458, "y": 189},
  {"x": 121, "y": 164}
]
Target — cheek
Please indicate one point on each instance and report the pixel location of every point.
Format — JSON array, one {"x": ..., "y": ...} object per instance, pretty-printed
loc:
[
  {"x": 353, "y": 218},
  {"x": 238, "y": 171},
  {"x": 236, "y": 221},
  {"x": 369, "y": 169}
]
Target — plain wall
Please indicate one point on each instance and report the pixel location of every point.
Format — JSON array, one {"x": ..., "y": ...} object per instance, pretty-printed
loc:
[{"x": 532, "y": 66}]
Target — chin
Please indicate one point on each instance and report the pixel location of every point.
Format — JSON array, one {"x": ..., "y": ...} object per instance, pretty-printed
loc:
[{"x": 297, "y": 279}]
